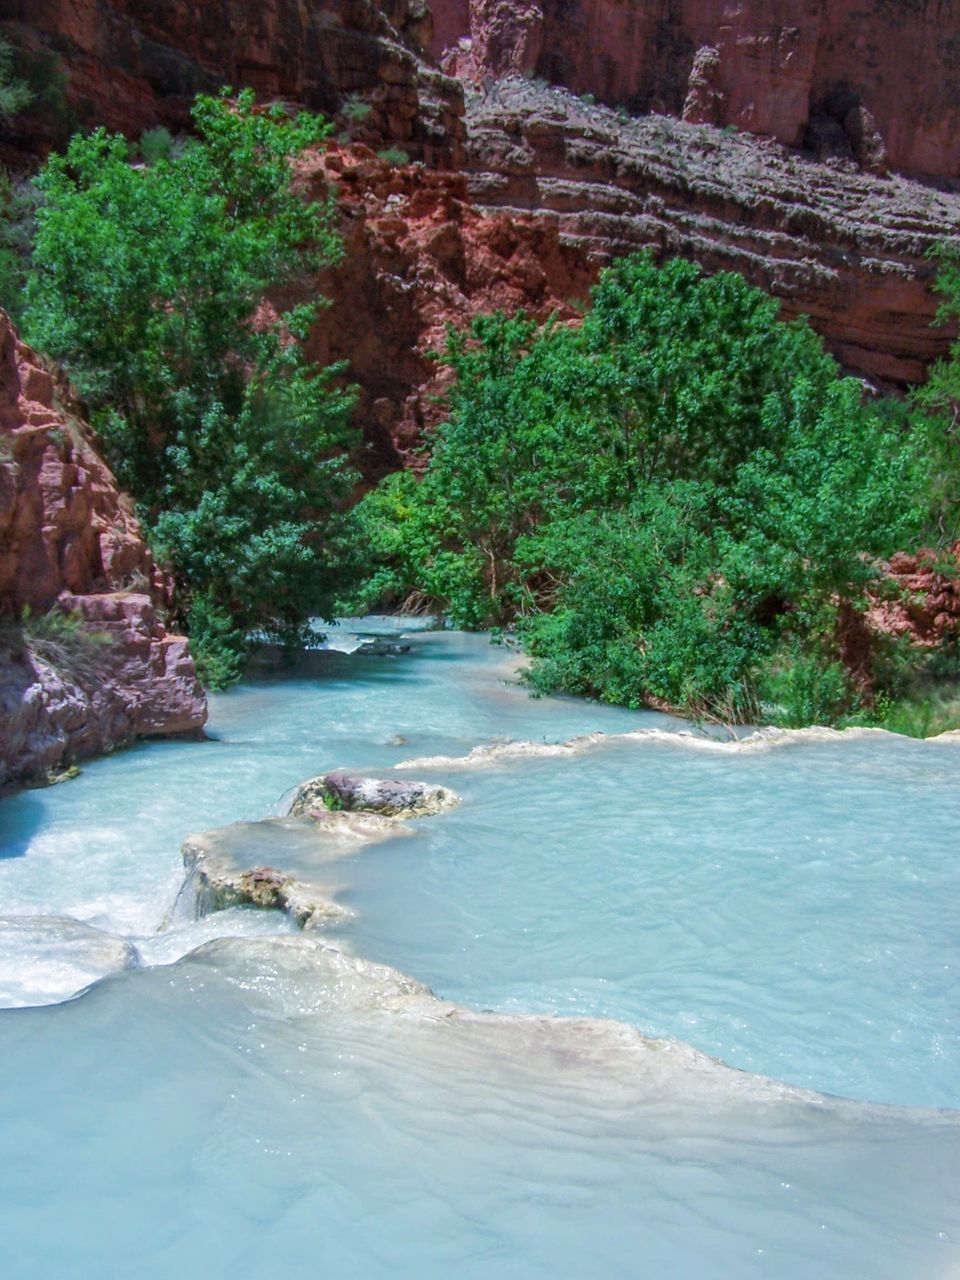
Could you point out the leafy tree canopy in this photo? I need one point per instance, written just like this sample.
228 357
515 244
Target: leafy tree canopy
681 499
146 283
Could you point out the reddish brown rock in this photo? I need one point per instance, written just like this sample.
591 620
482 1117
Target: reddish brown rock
793 70
843 246
833 240
131 65
925 604
419 255
69 539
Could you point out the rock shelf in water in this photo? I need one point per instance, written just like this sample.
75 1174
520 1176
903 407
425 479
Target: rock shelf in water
49 959
765 739
273 863
387 797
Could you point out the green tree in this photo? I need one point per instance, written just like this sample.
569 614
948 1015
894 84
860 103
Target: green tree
148 285
681 499
939 399
15 93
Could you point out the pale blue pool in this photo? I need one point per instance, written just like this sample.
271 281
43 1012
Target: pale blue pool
241 1110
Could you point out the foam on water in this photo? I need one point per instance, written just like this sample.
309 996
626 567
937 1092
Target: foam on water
48 959
252 1101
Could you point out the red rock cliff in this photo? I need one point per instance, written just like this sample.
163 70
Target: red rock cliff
844 247
837 240
69 538
131 65
420 255
862 77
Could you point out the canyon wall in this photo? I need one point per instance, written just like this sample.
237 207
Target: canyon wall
829 229
420 255
552 189
69 539
132 65
845 247
878 79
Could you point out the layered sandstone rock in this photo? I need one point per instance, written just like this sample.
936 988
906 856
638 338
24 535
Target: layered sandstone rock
418 256
845 247
563 185
69 539
870 79
131 66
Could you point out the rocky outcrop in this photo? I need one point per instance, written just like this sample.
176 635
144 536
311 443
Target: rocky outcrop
865 80
221 878
418 256
100 669
387 797
131 66
283 863
845 247
555 186
924 602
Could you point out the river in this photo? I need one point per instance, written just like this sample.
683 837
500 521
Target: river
691 1009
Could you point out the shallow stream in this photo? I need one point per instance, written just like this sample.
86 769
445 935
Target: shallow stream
616 921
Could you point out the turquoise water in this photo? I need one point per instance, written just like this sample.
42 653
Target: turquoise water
242 1106
793 912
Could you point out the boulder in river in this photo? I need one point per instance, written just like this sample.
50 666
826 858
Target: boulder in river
353 793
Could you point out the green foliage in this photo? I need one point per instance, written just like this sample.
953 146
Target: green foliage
680 500
15 93
939 399
802 688
923 716
156 145
61 638
147 285
18 203
355 111
394 156
33 93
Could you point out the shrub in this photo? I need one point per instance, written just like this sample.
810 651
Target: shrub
680 499
394 156
18 203
58 637
146 284
156 145
15 94
355 111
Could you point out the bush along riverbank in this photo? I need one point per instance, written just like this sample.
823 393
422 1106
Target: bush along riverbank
680 502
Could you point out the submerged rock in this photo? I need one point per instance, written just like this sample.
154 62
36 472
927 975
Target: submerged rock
49 959
226 868
388 797
380 647
274 863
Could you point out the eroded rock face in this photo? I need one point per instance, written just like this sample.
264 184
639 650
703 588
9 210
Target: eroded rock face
418 255
877 79
555 188
843 246
928 605
132 65
69 538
